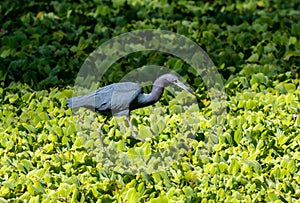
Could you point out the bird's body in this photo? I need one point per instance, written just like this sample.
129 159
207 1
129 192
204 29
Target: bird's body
115 99
119 99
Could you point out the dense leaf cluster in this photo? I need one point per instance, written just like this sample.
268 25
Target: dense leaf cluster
45 43
47 154
50 154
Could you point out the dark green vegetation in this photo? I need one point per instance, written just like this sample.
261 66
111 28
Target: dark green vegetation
44 43
255 46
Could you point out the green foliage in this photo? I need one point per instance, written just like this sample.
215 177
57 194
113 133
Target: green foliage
46 153
44 44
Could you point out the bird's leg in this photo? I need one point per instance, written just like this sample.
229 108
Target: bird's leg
129 122
100 134
133 134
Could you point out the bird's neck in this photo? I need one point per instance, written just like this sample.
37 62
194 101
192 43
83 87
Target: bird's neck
156 92
151 98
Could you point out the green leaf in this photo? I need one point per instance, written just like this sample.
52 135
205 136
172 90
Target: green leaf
297 122
141 188
272 196
38 187
253 58
293 40
9 144
5 53
79 142
290 87
234 166
29 127
27 164
2 200
160 199
132 196
178 65
35 199
145 132
292 168
188 191
296 29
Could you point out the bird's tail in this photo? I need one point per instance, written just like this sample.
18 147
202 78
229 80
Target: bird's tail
80 101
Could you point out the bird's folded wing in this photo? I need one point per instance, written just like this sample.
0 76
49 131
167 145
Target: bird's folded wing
123 95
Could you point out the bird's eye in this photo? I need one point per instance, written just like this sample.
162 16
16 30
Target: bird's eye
175 81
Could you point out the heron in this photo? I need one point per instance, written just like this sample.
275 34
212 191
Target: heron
118 99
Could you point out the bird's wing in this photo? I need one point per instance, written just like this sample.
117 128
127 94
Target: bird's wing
113 99
98 100
123 95
102 98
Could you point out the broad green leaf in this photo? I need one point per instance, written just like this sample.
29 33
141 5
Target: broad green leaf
2 200
38 187
188 191
238 136
145 132
27 164
234 166
29 127
5 53
132 196
253 58
35 199
160 199
297 122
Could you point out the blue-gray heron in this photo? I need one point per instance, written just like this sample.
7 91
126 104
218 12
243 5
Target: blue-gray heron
119 99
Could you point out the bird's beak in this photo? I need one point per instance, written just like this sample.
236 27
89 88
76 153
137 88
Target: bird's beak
182 86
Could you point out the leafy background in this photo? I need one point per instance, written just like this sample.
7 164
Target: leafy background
255 46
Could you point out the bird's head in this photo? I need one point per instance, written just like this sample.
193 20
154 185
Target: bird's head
173 79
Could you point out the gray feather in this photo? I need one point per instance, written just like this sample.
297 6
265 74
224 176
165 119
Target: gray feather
114 98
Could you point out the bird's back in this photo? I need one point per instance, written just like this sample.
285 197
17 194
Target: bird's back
112 99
